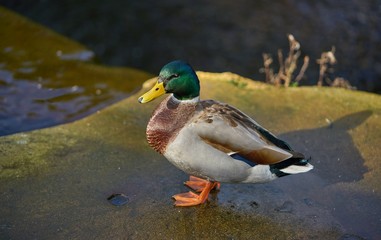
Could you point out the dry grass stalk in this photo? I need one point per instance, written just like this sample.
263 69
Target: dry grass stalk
306 61
340 82
269 73
287 67
326 60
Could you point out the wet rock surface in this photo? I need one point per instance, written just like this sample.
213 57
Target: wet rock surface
55 182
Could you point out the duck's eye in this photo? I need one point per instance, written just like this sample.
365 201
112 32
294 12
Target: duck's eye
173 76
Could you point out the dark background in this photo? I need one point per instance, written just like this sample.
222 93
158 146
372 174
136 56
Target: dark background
220 35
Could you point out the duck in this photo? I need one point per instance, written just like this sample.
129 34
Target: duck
211 141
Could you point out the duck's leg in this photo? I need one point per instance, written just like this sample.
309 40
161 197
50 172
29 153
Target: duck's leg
198 184
192 199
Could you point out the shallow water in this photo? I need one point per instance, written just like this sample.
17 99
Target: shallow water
48 80
35 96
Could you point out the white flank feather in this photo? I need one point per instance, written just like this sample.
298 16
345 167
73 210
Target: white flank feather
294 169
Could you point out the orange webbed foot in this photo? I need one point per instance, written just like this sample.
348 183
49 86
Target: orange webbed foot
193 199
187 199
198 184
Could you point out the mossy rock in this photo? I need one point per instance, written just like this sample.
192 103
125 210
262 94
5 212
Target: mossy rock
55 181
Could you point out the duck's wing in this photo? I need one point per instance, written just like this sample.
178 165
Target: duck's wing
228 129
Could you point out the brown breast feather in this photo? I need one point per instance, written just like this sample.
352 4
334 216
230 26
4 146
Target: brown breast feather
166 122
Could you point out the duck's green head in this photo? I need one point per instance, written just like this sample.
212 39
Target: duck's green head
176 77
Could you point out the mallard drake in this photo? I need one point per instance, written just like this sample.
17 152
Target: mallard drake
211 141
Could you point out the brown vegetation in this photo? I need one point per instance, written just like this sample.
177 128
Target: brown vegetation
285 75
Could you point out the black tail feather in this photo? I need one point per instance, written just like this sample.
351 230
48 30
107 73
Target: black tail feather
277 167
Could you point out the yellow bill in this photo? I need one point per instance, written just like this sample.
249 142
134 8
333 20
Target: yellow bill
155 92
